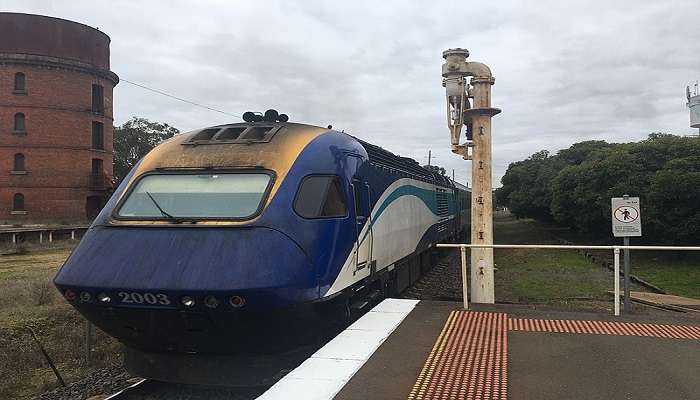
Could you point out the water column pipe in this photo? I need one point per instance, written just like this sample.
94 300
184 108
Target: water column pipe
476 115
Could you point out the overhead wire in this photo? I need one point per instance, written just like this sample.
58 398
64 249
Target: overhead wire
194 103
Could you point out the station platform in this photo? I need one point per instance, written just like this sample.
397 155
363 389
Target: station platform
416 350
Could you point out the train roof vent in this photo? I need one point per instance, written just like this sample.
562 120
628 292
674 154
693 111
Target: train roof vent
232 133
258 132
243 133
205 134
386 159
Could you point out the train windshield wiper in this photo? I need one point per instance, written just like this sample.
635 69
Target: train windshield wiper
165 213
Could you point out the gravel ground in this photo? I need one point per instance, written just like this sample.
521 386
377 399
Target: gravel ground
98 385
443 282
152 390
107 381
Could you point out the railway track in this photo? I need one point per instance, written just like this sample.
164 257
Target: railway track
146 389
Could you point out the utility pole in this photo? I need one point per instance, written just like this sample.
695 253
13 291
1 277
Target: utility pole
476 116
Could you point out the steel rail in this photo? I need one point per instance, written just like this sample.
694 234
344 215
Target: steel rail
117 395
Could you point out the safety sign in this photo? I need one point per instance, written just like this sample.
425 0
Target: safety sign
626 217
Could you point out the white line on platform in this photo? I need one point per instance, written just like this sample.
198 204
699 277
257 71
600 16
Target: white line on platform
323 374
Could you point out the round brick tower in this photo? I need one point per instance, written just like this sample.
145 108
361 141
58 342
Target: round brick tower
55 120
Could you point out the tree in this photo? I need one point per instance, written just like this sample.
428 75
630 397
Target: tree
527 186
579 152
134 139
574 187
662 170
673 208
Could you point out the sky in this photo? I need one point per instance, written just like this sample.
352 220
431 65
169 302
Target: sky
566 71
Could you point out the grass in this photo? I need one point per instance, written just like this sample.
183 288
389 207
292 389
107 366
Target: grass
29 299
30 261
554 277
676 273
529 276
572 275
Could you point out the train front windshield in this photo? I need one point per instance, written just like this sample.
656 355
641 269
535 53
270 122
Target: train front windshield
196 196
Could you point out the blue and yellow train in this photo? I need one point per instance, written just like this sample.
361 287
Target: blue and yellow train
239 232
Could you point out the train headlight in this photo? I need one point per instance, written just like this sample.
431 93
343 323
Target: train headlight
187 301
85 297
103 298
70 295
236 301
211 302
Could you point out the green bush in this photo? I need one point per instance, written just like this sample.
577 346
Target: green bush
573 188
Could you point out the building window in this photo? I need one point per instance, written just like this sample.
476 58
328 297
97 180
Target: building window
97 176
18 202
320 197
97 166
98 141
98 103
20 84
20 126
19 162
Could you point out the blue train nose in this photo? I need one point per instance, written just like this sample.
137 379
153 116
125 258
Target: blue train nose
263 265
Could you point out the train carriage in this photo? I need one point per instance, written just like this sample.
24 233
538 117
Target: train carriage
247 232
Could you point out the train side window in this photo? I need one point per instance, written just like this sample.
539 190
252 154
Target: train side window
320 196
357 197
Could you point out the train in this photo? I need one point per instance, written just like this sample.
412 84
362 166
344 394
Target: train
234 235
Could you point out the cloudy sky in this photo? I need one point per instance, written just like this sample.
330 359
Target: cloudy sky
565 71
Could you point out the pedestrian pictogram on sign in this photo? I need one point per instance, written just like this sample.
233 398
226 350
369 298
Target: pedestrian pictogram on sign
626 214
626 219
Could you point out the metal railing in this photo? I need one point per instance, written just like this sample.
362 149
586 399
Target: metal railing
16 233
616 254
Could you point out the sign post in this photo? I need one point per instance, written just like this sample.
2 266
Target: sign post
626 222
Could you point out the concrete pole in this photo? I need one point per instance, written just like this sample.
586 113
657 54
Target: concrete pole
478 117
482 198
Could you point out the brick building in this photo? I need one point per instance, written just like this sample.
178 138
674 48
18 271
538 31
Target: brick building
55 120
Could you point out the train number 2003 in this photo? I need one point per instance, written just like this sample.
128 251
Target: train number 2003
144 298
